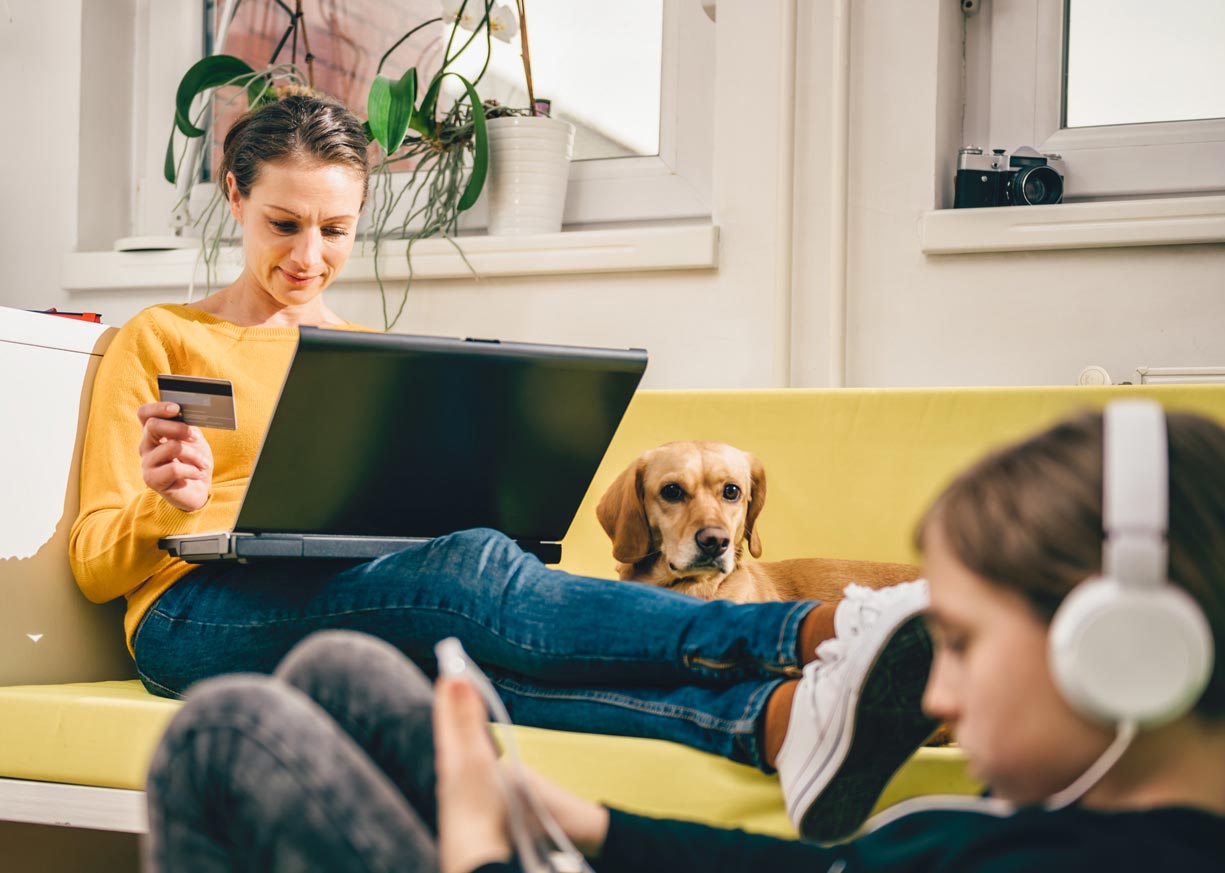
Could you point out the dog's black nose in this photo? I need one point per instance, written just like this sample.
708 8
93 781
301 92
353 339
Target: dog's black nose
712 541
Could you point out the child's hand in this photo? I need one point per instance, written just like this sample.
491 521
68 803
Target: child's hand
472 823
584 822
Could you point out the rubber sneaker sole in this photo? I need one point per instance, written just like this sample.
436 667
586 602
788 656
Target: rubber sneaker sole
883 726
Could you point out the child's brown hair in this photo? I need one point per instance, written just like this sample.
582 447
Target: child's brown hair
1029 517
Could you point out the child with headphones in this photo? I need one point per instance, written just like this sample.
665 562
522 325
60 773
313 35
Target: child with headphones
1076 583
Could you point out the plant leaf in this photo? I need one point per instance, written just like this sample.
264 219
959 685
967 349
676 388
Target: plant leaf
403 106
378 109
390 107
480 148
206 73
169 169
429 105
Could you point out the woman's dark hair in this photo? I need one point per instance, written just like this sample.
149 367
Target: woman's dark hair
1029 518
296 127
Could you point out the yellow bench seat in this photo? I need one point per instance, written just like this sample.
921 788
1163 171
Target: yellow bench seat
103 734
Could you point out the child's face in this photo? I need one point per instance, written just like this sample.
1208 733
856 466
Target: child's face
991 682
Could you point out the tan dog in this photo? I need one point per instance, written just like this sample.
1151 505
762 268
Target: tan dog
680 514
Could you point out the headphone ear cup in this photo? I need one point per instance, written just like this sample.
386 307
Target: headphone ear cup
1119 654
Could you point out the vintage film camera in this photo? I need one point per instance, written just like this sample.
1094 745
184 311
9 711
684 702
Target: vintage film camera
1024 178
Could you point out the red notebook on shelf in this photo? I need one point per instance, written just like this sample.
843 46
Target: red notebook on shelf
95 317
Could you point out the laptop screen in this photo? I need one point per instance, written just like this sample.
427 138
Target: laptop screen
399 435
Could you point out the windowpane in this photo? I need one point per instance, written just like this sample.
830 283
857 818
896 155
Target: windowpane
598 63
1136 61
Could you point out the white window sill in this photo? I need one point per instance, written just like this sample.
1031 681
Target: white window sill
1159 222
616 250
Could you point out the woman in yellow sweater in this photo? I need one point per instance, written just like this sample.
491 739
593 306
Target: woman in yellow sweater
722 677
298 224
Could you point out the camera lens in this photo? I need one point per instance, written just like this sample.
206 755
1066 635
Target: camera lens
1034 186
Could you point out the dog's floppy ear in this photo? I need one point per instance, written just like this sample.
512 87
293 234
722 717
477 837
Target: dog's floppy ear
757 500
624 517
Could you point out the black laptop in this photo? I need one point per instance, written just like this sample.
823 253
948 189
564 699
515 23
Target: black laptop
381 440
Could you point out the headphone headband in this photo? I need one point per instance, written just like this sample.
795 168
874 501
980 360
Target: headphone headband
1135 512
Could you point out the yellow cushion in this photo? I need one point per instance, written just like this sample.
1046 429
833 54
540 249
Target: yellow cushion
88 733
663 779
104 733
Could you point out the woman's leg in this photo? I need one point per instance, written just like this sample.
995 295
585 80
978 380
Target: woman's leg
722 720
252 775
514 615
511 612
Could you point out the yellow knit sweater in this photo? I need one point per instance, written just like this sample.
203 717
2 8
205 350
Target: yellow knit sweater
113 546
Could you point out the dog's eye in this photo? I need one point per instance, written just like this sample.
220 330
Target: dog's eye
672 492
731 492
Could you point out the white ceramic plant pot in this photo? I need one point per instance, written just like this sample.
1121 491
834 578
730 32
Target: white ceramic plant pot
529 165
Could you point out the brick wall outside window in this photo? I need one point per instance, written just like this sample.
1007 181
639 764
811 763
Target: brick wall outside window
347 39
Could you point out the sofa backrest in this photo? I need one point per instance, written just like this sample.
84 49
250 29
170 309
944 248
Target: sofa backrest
849 471
49 632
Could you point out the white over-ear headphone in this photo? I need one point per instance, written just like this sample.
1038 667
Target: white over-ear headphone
1128 647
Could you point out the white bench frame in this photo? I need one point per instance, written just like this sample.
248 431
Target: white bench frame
73 806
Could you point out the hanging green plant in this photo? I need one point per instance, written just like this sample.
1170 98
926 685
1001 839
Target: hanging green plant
447 155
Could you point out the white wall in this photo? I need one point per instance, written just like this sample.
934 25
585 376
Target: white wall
1024 318
770 315
40 104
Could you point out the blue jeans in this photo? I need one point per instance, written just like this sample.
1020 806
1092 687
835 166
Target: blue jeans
566 652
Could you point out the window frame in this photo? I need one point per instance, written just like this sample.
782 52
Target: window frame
1014 68
675 184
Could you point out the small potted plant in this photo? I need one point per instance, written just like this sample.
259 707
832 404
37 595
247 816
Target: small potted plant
529 155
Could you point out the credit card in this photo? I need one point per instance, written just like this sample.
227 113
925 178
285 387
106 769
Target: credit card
202 402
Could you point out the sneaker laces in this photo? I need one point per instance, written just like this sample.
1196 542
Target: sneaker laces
859 609
852 616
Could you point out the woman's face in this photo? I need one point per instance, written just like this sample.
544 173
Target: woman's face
991 682
298 227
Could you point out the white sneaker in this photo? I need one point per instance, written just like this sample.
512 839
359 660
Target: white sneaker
856 715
